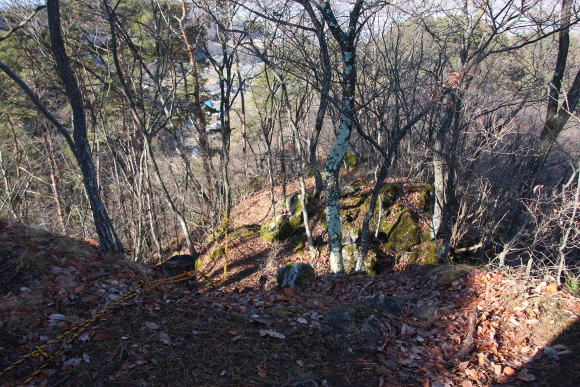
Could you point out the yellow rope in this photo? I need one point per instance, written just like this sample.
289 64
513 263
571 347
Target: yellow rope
73 333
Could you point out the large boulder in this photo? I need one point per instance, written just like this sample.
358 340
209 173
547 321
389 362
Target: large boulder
351 249
281 228
350 255
295 275
384 304
389 194
178 264
402 234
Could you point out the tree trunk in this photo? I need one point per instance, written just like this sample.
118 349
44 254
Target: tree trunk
364 239
180 217
347 42
109 240
54 181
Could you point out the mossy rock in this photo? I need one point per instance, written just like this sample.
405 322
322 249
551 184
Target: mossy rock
572 285
402 234
350 234
447 274
300 245
281 228
352 160
424 254
353 201
350 256
425 197
296 220
269 230
294 275
245 232
389 194
293 202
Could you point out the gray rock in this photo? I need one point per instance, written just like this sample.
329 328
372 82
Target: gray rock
179 263
371 332
292 202
384 304
295 275
340 321
426 313
347 190
251 313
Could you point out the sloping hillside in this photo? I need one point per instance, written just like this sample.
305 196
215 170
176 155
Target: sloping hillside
411 324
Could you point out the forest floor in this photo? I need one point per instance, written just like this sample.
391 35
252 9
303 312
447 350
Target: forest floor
457 325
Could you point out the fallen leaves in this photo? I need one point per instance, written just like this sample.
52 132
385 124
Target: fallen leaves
101 336
75 289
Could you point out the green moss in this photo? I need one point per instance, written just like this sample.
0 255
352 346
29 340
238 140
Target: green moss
300 245
389 194
217 253
200 264
295 274
269 230
352 160
245 232
296 220
425 198
426 235
281 229
426 254
350 256
350 233
402 234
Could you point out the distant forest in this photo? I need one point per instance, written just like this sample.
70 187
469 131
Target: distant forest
143 123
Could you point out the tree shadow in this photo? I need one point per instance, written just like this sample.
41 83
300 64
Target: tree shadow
555 365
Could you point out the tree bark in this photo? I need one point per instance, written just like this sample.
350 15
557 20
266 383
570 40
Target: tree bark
557 113
78 143
347 42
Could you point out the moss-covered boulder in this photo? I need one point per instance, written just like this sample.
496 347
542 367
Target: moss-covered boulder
295 275
245 232
281 228
300 245
293 203
350 234
389 194
402 234
350 256
425 198
423 254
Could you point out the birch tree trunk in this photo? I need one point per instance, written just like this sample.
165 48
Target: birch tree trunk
347 115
